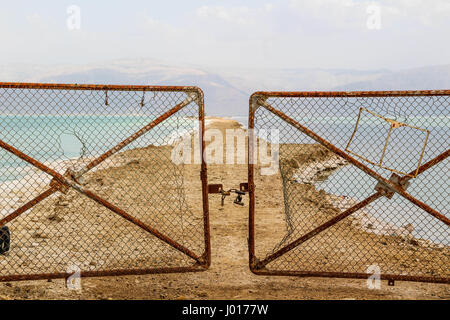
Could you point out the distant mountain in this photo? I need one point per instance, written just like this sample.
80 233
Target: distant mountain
432 78
227 89
221 97
306 79
218 92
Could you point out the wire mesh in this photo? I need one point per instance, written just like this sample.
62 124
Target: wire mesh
94 138
338 212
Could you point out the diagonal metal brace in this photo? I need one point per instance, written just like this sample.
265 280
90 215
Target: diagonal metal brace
388 192
396 188
381 192
56 186
72 184
192 96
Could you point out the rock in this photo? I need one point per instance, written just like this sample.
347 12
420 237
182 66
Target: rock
62 204
54 217
294 164
313 172
409 228
133 162
38 235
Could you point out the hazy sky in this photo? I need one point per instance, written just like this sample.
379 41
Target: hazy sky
353 34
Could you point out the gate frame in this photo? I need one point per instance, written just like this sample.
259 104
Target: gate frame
64 182
385 187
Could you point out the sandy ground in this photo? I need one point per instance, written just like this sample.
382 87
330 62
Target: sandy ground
229 276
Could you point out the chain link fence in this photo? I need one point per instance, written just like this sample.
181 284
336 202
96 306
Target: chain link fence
87 179
362 185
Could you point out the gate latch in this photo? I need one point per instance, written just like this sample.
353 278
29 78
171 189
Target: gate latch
218 189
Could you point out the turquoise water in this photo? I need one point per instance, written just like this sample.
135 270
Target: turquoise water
403 153
399 211
51 138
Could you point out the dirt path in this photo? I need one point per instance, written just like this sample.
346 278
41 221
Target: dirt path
229 276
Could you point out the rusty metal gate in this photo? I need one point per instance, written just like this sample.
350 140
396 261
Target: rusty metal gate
361 187
90 181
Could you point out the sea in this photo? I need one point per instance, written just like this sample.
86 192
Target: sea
51 138
420 140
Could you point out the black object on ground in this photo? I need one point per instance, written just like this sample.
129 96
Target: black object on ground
5 238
